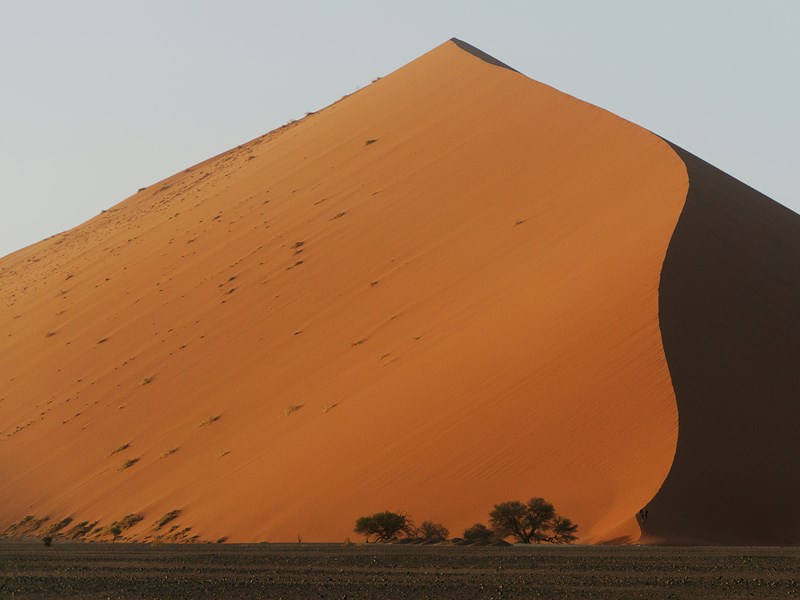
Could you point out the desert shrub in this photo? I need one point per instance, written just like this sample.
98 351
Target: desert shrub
56 527
170 516
126 522
478 533
47 540
128 464
429 530
533 522
385 526
115 530
80 530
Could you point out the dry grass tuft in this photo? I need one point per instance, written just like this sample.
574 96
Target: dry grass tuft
129 520
118 449
128 464
209 420
292 408
168 452
170 516
56 527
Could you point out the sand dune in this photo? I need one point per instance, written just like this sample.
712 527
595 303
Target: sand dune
438 293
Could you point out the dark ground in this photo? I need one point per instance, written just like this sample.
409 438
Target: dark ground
72 570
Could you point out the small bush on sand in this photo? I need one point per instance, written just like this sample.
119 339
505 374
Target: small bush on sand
47 540
292 408
429 530
170 516
167 452
128 464
127 521
56 527
121 448
479 533
209 420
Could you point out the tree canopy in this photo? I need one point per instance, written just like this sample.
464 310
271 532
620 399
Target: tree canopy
384 526
535 521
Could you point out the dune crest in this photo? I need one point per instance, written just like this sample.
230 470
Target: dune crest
439 293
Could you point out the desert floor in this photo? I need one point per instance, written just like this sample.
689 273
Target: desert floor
29 570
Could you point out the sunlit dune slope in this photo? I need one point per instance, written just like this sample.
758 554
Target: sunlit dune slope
437 294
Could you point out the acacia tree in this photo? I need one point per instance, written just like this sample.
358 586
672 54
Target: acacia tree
115 530
564 531
385 526
533 522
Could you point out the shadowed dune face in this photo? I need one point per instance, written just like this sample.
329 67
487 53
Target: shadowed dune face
730 318
437 294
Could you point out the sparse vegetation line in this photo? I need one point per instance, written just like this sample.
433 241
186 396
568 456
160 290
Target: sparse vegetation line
535 521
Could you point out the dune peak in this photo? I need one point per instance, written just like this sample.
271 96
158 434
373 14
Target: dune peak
477 52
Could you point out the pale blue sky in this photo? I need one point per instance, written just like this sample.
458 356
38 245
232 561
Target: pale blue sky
102 97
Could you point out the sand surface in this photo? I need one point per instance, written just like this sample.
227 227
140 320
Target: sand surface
439 293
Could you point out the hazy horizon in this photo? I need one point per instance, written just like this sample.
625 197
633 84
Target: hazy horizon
103 99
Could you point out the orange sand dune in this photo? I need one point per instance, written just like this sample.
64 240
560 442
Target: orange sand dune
438 293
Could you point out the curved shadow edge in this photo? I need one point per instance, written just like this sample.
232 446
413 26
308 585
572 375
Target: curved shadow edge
729 311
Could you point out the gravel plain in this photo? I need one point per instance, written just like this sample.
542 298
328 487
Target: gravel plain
75 570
